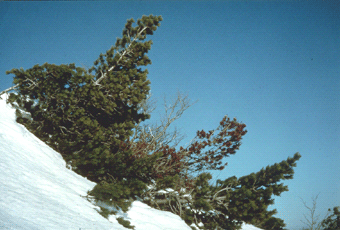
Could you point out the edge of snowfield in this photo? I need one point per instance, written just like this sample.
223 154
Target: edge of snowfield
38 192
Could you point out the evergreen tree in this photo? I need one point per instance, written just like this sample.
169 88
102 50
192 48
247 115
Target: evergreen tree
332 222
88 115
233 200
93 118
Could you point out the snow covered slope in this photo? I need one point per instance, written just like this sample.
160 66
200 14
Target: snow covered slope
37 191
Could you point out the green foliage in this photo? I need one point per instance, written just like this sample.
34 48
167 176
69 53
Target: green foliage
202 189
105 212
332 222
90 116
86 115
118 193
125 223
235 200
273 223
167 182
252 194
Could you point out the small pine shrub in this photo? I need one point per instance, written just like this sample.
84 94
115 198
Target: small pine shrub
125 223
118 194
105 212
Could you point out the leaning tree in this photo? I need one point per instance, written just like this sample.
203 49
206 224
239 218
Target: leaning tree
96 119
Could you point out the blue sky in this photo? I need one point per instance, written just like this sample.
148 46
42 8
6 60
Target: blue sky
274 65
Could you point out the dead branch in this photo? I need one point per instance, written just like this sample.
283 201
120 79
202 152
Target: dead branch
312 221
158 135
9 89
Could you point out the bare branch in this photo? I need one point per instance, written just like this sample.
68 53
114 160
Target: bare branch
224 189
17 85
158 135
312 220
9 89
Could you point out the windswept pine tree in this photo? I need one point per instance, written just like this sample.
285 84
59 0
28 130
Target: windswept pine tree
95 119
86 115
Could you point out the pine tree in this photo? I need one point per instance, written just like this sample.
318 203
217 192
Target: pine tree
234 200
94 119
332 222
88 115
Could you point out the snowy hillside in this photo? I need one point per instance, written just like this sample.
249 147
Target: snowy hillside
37 191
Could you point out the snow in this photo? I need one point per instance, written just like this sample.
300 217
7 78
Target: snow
141 212
38 191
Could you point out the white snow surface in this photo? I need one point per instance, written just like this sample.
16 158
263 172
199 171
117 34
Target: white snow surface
37 191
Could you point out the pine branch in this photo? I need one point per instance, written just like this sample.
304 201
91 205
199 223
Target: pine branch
9 89
126 51
17 85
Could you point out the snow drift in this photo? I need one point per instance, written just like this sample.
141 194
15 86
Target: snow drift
39 192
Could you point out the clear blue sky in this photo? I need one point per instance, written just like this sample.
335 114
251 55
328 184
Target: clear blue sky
274 65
